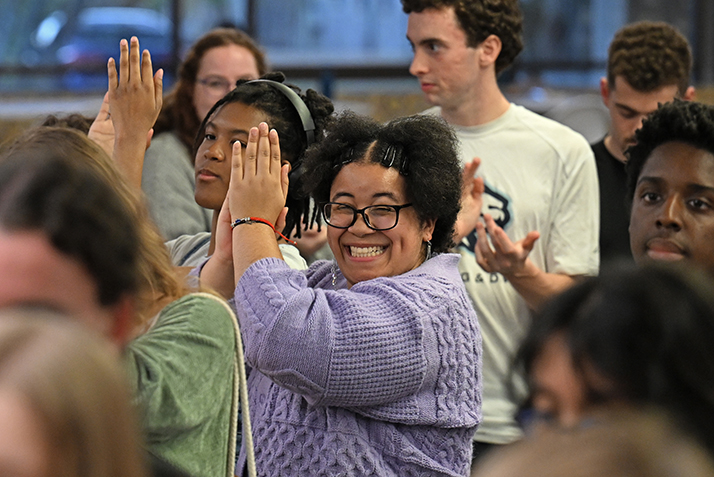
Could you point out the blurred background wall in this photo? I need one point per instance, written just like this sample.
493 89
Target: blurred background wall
53 52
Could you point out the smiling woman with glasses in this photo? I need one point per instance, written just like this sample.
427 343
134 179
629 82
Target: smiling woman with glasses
376 357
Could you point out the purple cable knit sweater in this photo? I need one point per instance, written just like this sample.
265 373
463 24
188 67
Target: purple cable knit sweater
382 379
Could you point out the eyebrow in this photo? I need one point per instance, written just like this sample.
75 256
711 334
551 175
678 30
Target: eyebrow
232 131
631 110
694 187
627 108
378 195
425 40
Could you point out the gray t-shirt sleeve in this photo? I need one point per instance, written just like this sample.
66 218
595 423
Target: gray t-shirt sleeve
168 183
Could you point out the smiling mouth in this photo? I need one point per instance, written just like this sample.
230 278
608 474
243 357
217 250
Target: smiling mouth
362 252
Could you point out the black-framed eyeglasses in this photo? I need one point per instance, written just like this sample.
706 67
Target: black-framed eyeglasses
376 217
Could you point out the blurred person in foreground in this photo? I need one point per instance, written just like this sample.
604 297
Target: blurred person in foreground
76 237
633 337
641 443
65 404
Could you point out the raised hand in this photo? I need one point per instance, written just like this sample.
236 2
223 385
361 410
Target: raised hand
259 181
102 129
135 99
502 255
471 201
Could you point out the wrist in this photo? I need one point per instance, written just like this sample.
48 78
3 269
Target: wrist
527 272
258 220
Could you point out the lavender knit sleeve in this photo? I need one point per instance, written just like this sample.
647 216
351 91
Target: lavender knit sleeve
366 346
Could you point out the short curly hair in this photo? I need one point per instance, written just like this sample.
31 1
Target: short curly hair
683 121
650 55
424 150
481 18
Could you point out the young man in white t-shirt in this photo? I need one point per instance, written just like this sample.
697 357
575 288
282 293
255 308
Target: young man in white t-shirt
540 195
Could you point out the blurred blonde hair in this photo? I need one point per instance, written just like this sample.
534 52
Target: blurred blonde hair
157 277
74 385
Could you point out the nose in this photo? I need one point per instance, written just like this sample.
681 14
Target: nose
418 66
214 152
670 215
359 228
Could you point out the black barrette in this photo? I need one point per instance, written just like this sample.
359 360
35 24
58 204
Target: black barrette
394 157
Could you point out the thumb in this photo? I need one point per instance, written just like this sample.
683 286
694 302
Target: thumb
530 240
284 179
280 222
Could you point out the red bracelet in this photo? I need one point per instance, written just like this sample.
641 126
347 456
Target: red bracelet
258 220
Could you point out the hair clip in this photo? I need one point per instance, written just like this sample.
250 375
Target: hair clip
394 157
345 158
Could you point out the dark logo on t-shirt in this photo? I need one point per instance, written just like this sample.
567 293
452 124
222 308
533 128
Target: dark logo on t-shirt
499 206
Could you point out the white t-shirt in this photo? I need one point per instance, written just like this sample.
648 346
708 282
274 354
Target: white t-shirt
539 175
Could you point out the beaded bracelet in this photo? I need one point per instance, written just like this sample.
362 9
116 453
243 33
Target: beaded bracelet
258 220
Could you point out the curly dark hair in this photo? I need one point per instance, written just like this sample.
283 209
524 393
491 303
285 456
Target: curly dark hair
423 149
650 55
284 118
77 209
646 330
178 113
481 18
684 121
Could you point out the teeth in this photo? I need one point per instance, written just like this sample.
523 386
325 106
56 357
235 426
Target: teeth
366 251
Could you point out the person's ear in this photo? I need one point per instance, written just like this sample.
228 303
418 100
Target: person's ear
490 49
605 91
690 94
428 229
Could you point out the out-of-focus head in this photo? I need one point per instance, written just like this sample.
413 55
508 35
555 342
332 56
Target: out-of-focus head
210 70
232 118
76 121
64 214
649 63
625 444
633 336
671 186
155 277
367 164
65 406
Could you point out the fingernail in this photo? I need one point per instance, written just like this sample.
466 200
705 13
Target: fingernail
253 132
160 73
